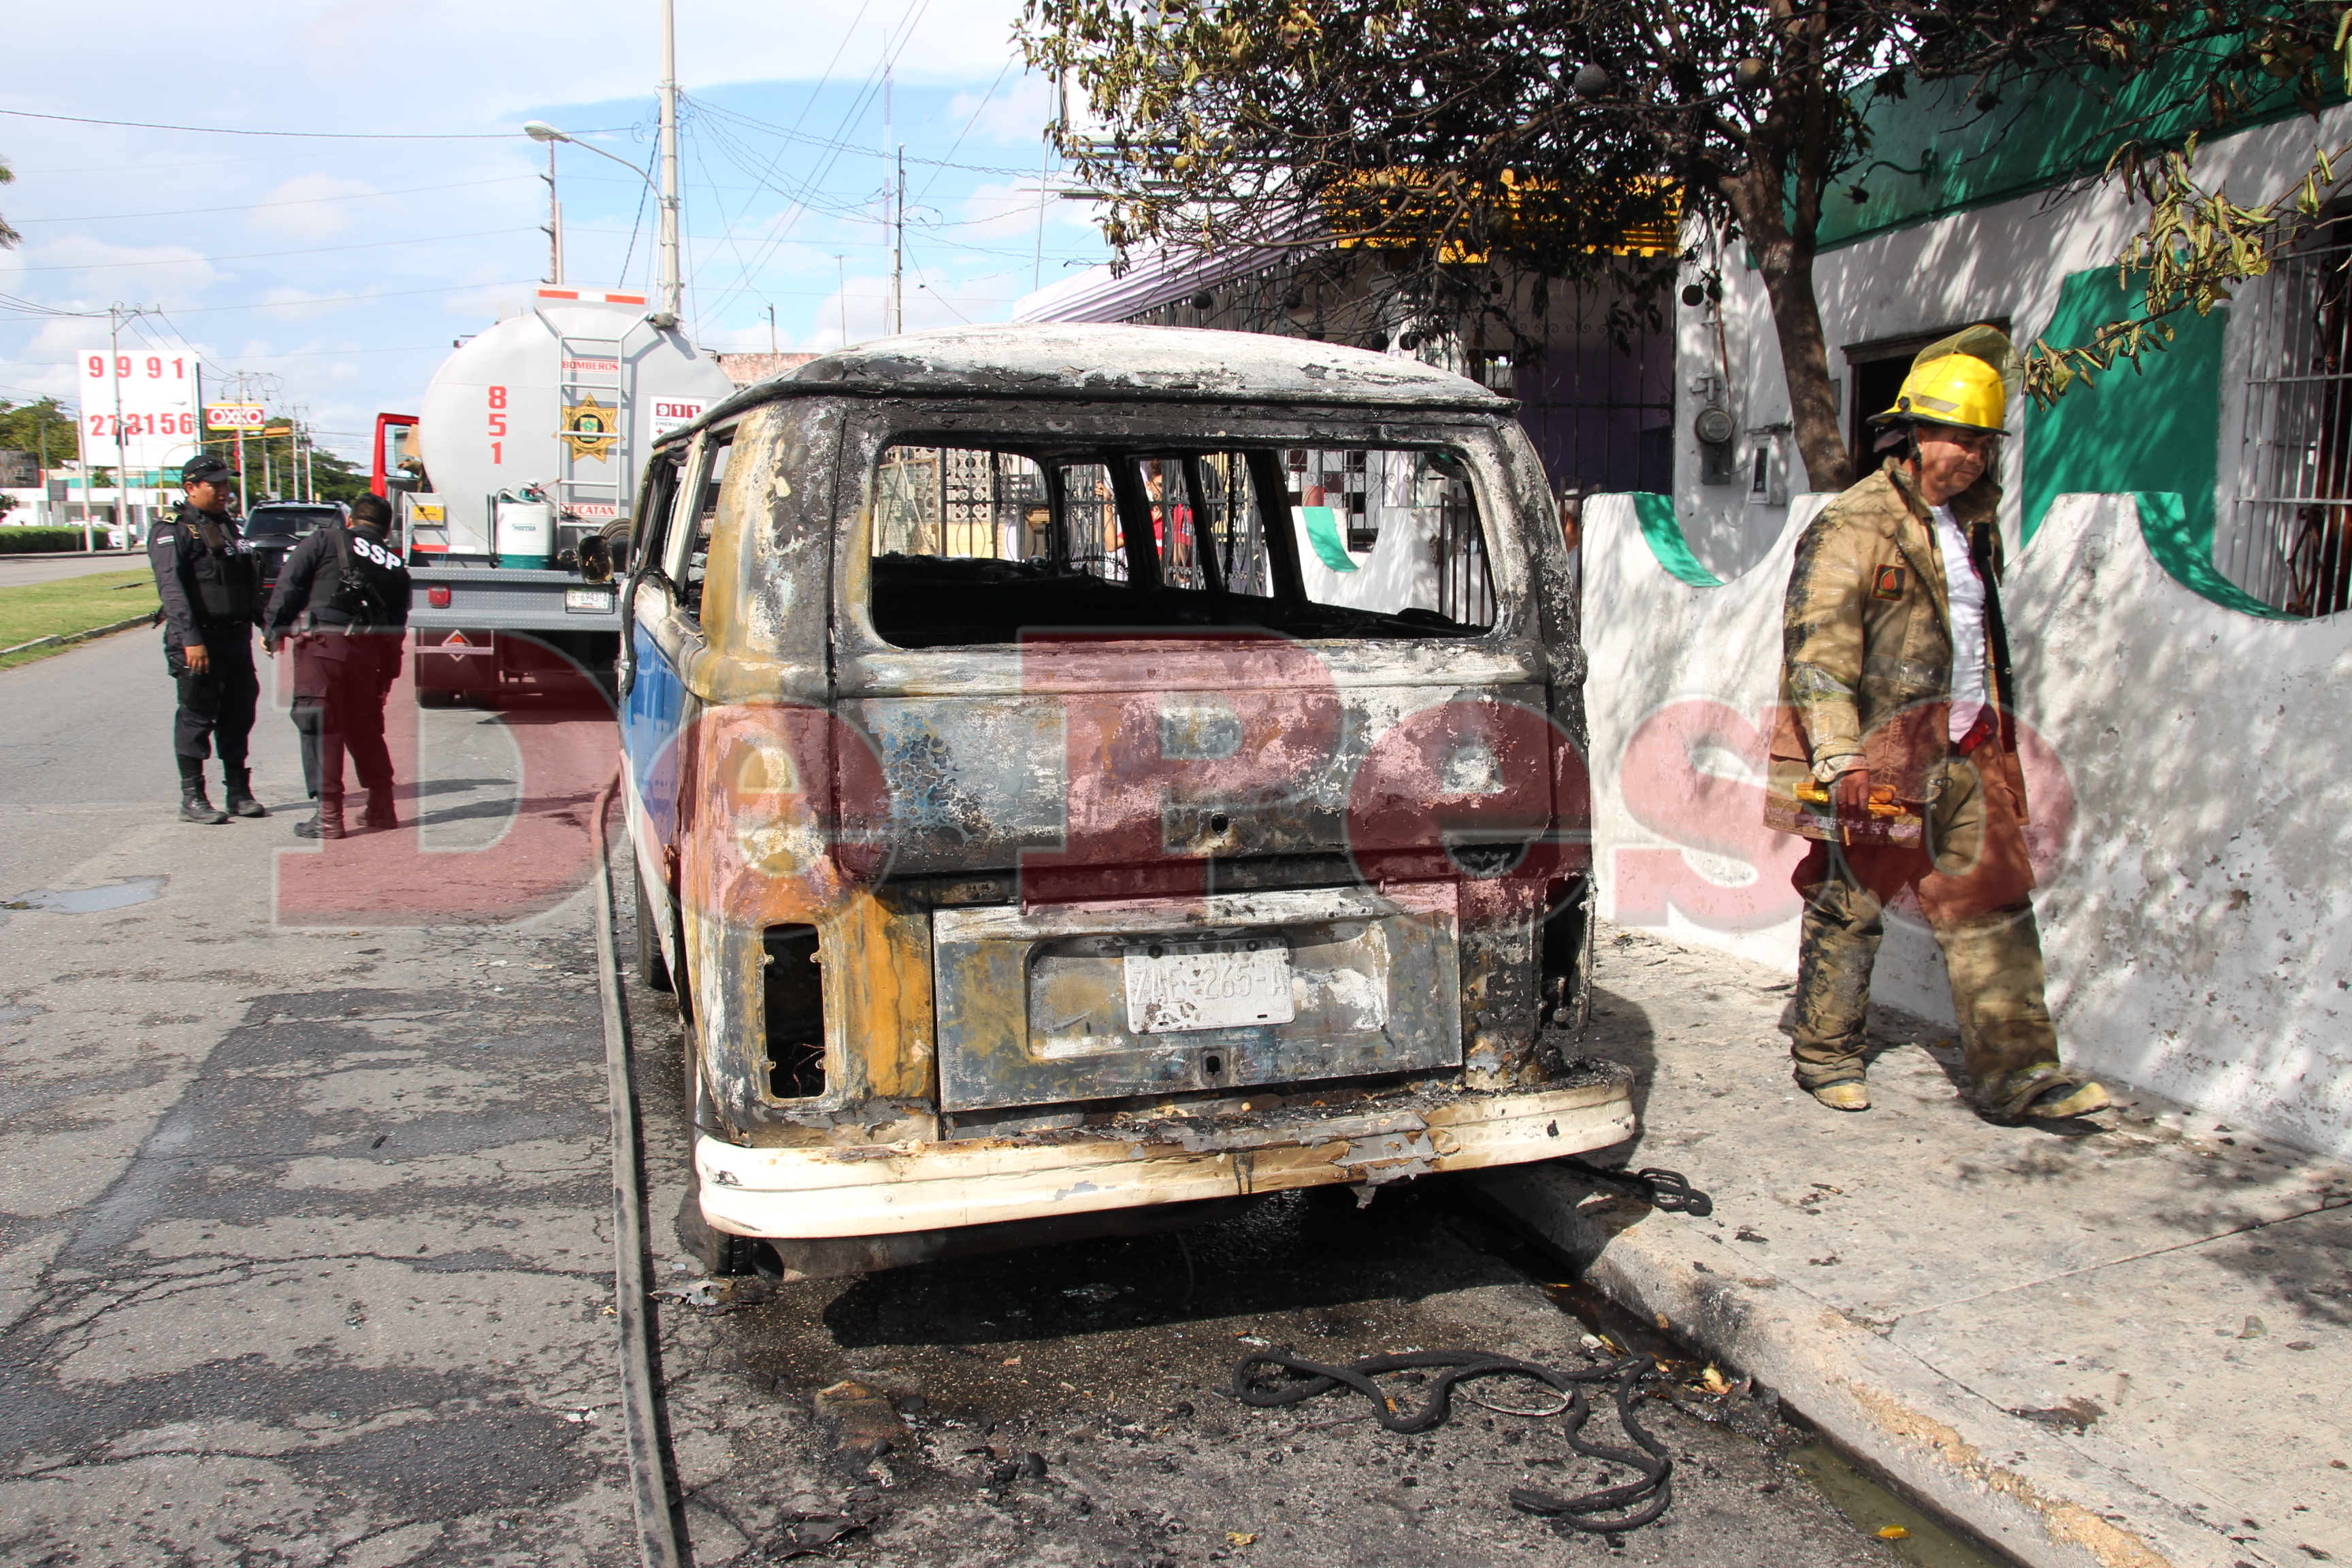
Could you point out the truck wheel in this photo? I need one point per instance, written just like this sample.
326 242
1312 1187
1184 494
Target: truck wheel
435 697
653 967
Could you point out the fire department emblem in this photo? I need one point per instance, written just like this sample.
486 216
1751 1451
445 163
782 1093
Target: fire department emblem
590 429
1889 584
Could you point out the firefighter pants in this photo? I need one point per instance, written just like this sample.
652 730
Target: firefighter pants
340 680
1972 878
216 713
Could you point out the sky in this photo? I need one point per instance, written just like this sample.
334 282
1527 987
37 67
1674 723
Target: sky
335 269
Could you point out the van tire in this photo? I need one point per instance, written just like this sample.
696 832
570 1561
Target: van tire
721 1256
653 964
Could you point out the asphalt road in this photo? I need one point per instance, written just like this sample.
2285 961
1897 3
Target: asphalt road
305 1260
16 570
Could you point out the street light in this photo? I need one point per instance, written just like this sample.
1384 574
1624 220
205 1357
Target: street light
671 290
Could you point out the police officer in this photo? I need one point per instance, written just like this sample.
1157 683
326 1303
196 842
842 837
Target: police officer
344 598
210 586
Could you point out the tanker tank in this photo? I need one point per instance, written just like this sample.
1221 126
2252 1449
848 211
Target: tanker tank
563 400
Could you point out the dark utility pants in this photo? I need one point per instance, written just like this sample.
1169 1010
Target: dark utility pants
216 708
1972 878
340 683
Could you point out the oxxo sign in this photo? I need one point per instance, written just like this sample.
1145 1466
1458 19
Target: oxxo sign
235 417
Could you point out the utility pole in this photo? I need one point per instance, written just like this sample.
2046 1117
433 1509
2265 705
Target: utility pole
1038 266
672 288
899 250
114 314
772 350
240 441
554 223
891 192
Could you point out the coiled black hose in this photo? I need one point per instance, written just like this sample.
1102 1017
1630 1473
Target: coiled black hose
1652 1490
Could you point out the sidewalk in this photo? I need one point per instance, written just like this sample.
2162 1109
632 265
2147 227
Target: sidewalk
2118 1342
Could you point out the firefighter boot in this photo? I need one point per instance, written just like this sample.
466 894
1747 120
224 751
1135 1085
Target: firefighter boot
2010 1045
328 823
1840 944
195 804
237 797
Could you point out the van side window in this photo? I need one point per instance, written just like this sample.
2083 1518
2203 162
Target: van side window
652 528
689 553
977 546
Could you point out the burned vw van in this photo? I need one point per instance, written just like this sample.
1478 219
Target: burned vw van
1082 777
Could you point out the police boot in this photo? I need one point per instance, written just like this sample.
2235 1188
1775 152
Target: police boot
328 823
379 812
239 799
195 804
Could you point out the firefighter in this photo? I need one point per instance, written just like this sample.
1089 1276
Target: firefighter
1896 749
210 586
343 597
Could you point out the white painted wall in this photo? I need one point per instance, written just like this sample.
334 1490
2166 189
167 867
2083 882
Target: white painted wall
2006 260
2194 805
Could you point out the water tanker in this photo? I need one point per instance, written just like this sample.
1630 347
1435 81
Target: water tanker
526 444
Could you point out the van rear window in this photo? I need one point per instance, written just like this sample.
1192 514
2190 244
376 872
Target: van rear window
979 544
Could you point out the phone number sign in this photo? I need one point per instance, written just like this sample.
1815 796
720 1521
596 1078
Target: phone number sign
149 393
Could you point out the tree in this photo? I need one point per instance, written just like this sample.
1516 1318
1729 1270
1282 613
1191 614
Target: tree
335 479
2197 245
1476 144
41 426
8 236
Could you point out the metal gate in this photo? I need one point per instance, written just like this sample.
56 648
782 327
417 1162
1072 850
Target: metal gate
2289 543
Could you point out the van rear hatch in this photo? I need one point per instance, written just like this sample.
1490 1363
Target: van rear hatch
1224 752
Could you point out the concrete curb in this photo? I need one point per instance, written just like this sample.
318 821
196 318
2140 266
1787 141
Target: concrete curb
72 637
2007 1480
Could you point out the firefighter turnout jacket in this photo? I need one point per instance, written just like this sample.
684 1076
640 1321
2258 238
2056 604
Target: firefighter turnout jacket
1867 655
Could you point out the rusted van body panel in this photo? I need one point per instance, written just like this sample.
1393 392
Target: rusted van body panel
1244 891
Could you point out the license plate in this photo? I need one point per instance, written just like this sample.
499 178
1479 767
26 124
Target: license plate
587 599
1228 985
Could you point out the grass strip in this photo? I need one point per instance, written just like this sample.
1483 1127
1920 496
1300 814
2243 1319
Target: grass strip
30 610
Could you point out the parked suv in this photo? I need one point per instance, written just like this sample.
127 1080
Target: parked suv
275 527
1083 778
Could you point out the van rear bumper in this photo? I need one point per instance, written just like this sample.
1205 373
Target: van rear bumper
890 1189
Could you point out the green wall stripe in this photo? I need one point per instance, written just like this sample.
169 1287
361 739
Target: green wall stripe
2184 549
2157 428
1934 153
1664 532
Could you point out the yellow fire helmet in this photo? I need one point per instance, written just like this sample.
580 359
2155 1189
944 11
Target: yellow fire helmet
1964 380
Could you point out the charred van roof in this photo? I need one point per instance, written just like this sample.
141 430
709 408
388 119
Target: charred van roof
1120 363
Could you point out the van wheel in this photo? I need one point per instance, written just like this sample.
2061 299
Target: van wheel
722 1256
653 967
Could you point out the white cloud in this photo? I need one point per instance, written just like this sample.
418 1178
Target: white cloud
1014 117
315 207
119 272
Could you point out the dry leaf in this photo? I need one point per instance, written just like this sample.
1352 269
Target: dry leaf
1241 1537
1714 1380
1013 1360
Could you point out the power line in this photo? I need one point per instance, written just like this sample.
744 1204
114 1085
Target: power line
319 135
265 255
297 202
